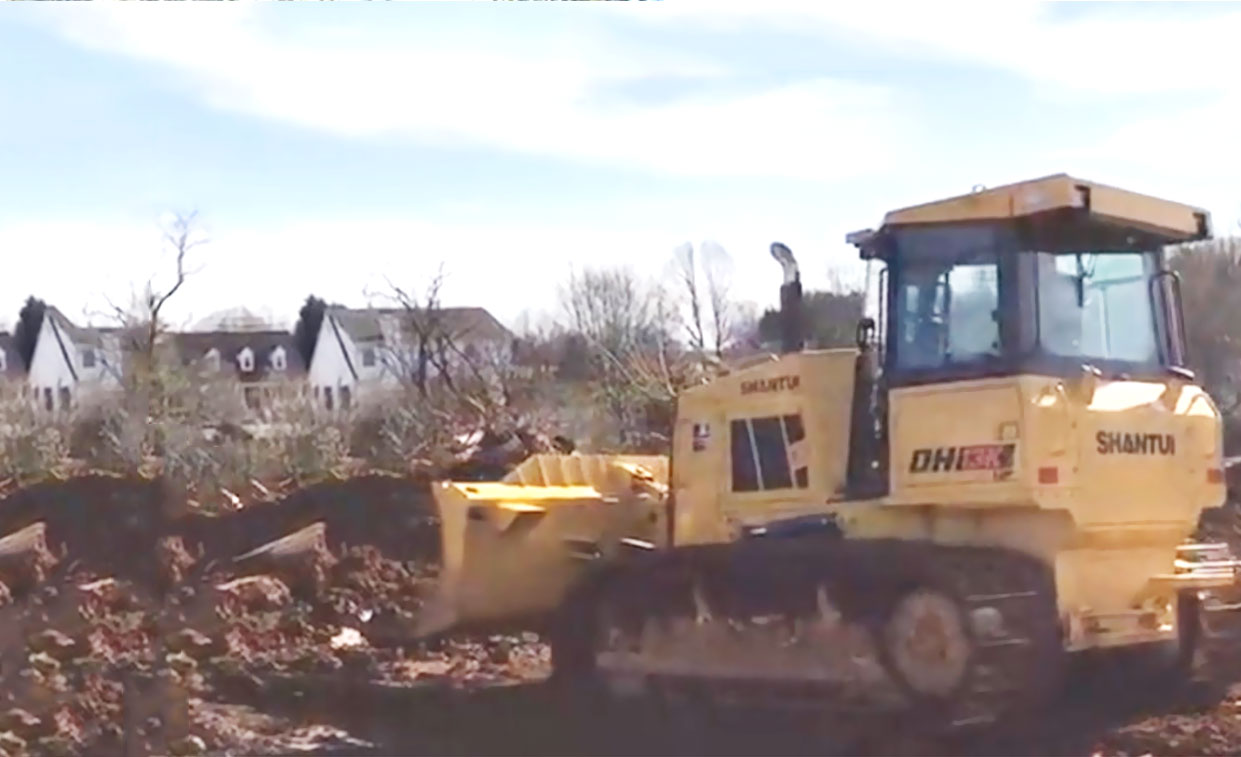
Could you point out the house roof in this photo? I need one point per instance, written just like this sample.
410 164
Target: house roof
194 345
79 335
364 325
69 335
13 366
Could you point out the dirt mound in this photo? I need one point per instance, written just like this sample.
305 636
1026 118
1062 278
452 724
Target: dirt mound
125 526
394 514
140 611
105 524
123 618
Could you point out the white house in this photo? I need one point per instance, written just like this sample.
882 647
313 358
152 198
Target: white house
259 361
359 352
71 363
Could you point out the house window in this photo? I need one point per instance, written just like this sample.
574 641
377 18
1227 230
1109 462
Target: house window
64 398
327 398
4 361
252 397
88 358
368 357
245 360
47 399
278 361
212 359
766 453
346 398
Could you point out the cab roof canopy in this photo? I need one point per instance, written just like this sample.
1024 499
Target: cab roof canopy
1061 197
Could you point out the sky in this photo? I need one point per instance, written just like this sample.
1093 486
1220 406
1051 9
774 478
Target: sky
338 148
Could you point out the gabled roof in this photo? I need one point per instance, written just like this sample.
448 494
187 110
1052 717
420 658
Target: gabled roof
193 346
68 336
13 365
82 336
365 325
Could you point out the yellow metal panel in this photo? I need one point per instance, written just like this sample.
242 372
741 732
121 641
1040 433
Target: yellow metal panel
512 550
1110 518
817 385
602 472
957 443
1060 191
1142 210
490 490
1142 463
992 204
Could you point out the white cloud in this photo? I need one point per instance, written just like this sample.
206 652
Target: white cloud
1192 155
539 94
1150 48
537 91
532 92
1071 54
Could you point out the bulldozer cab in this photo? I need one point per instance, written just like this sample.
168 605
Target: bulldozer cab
1052 277
1034 277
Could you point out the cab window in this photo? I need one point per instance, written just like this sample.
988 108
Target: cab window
767 453
948 314
1098 306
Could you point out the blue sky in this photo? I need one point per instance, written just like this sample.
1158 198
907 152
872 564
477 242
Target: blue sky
329 146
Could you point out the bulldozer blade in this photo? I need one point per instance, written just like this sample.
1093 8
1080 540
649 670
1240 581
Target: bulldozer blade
513 549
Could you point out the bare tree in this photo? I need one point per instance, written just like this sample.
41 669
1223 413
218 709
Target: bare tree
621 316
180 237
1210 274
718 267
708 312
154 393
636 366
141 321
422 347
686 265
454 385
745 327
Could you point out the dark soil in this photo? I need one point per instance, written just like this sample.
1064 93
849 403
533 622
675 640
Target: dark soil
140 634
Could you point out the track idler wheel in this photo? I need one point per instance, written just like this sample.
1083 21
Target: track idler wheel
927 645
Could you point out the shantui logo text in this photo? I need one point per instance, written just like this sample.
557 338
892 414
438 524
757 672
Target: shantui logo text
1118 443
777 384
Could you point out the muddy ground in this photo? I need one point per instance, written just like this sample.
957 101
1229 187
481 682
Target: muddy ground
127 627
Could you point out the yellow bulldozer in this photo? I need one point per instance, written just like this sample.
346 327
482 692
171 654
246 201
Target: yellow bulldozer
1007 470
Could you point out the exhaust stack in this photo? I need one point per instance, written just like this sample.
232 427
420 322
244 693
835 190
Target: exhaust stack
792 330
